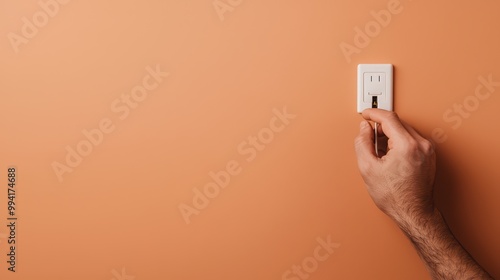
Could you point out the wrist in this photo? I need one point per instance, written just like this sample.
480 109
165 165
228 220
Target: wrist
415 218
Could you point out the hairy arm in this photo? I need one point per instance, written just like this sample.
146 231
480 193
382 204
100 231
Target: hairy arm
443 255
400 182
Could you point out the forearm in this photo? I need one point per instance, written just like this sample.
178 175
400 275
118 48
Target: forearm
442 253
400 182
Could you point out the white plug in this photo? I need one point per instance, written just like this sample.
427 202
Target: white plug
375 89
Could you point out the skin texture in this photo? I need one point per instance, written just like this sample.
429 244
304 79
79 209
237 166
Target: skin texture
400 181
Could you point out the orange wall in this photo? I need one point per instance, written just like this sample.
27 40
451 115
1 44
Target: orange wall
113 210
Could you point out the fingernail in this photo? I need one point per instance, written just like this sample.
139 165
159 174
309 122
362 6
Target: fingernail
363 124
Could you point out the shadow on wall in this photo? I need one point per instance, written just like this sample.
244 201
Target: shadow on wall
449 195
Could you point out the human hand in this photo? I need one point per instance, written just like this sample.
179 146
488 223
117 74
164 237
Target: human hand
400 180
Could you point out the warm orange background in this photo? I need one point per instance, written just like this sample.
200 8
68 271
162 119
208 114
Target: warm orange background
119 207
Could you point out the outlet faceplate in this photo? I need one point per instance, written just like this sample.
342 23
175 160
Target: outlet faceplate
375 86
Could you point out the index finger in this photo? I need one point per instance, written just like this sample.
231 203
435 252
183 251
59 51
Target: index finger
390 123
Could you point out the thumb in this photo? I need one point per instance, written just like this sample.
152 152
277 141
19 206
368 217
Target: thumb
363 144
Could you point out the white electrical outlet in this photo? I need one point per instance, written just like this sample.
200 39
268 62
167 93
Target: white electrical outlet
375 89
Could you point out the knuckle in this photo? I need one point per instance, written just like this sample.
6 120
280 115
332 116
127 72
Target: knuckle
411 145
393 115
358 141
427 147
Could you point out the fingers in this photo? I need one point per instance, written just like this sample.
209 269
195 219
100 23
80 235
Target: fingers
424 143
365 149
389 122
391 130
413 132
